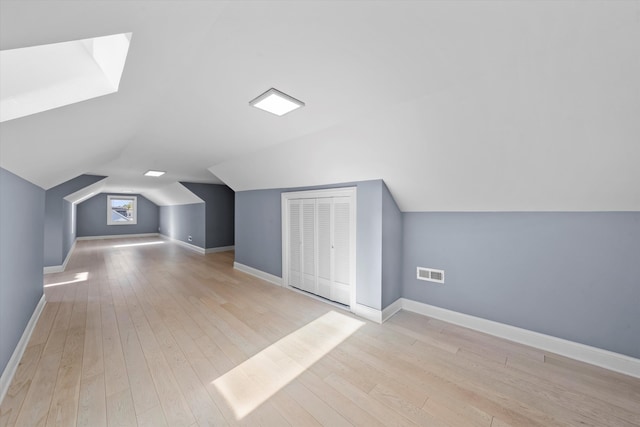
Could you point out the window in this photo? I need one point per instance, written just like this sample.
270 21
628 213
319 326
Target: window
122 210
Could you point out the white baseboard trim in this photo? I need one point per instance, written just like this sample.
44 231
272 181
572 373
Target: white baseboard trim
391 309
184 244
367 312
12 365
219 249
375 315
189 246
595 356
258 273
198 248
117 236
361 310
60 268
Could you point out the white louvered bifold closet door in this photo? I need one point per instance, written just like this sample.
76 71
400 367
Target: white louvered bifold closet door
340 290
319 239
325 256
295 243
309 275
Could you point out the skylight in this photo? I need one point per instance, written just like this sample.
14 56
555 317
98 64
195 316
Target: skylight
154 173
40 78
276 102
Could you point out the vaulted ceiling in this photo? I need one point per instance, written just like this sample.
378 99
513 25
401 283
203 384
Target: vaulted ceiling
457 105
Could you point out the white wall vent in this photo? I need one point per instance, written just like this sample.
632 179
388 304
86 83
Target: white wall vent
430 274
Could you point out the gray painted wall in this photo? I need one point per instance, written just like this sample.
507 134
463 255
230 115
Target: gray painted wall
391 249
571 275
219 210
259 234
369 244
57 222
91 217
21 258
259 230
68 229
181 221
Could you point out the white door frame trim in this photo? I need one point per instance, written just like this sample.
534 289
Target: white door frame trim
350 192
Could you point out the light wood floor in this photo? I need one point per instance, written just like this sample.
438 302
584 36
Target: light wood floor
156 335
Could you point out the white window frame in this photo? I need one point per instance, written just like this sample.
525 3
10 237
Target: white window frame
134 199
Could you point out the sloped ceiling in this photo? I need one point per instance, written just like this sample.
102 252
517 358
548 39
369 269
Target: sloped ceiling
464 106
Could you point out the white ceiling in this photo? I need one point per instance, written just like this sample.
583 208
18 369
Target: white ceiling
458 106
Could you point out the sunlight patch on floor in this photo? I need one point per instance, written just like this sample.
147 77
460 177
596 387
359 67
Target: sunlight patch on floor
80 277
251 383
129 245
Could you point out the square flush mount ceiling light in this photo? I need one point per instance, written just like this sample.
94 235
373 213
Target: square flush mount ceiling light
276 102
154 173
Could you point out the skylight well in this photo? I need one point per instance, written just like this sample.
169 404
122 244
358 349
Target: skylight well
40 78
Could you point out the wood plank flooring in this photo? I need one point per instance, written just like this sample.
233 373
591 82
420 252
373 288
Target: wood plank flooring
144 332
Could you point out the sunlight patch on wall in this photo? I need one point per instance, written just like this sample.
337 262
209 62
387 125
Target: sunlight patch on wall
251 383
40 78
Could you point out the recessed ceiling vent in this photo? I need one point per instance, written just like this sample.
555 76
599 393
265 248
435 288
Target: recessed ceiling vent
430 274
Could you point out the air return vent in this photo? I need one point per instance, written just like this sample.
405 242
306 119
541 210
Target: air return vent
430 275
